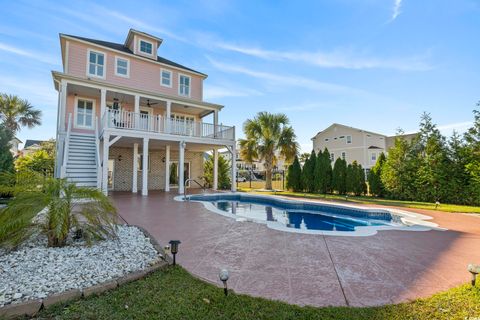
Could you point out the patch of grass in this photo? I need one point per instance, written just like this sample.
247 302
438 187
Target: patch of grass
372 200
172 293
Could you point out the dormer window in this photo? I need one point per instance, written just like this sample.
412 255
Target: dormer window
96 64
184 85
146 47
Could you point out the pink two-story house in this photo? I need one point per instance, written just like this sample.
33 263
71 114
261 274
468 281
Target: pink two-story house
129 119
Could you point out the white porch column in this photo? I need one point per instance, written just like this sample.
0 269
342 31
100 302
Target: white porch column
215 123
106 146
215 169
234 168
167 116
103 102
167 168
63 105
145 168
135 168
136 111
181 160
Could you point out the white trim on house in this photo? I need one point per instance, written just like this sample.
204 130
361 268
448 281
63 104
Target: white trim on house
104 64
116 67
180 75
75 112
151 54
162 70
67 52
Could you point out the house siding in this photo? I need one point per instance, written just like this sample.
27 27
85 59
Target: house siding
144 75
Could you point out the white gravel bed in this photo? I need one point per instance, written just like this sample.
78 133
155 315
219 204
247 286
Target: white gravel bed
35 271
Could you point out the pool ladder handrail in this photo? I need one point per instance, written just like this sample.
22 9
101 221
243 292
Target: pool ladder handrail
185 188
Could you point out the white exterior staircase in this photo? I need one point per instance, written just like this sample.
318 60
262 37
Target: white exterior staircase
81 165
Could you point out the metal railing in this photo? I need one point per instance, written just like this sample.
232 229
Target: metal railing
185 187
159 124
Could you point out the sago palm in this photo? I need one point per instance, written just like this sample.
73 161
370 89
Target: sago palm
266 137
68 208
16 113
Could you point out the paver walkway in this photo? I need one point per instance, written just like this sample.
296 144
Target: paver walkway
389 267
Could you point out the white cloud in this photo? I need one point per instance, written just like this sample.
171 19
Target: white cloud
340 58
397 6
29 54
216 92
458 126
285 80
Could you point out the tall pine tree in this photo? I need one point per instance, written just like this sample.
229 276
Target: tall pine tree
339 177
308 173
294 176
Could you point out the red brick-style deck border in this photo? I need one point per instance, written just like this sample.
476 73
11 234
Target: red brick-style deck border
389 267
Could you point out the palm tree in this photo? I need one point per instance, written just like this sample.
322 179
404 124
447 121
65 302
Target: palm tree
85 211
16 113
268 136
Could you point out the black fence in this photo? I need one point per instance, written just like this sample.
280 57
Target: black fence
255 179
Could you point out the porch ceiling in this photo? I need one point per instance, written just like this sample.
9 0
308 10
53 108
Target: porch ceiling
127 142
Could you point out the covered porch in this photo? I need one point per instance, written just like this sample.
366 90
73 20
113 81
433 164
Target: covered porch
170 165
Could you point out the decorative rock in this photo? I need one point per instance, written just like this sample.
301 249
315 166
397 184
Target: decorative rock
34 271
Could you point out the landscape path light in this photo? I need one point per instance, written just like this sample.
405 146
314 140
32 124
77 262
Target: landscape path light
223 275
174 248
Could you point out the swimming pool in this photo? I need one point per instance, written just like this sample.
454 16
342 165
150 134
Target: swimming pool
309 217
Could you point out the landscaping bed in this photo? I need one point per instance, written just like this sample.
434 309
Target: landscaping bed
35 271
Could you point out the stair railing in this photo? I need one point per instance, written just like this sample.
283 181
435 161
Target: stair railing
185 187
66 144
97 151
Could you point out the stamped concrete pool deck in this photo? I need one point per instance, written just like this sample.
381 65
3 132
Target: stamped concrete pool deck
389 267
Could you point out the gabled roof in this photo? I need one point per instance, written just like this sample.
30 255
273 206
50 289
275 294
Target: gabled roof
16 139
29 143
122 48
348 127
133 31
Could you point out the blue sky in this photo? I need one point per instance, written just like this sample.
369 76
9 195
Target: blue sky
374 64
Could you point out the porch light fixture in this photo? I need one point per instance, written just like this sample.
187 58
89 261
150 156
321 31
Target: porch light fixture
174 248
223 275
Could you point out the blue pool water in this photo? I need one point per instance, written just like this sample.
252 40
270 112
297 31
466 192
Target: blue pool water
298 215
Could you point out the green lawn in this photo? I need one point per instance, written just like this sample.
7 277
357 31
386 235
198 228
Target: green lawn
172 293
372 200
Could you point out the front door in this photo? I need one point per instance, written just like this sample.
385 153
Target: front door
110 179
174 173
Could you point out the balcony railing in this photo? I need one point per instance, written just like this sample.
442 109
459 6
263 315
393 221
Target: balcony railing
156 123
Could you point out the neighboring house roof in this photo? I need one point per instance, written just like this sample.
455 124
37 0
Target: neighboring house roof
123 48
16 139
348 127
30 143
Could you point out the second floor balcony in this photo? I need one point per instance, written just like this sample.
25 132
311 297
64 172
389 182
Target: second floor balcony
142 122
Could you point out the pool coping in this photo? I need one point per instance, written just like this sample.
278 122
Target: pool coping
412 221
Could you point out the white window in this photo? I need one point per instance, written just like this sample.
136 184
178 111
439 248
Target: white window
374 157
84 111
184 85
166 78
146 47
344 155
349 139
122 67
96 64
332 156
